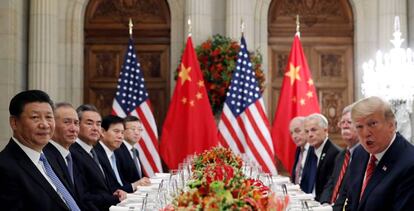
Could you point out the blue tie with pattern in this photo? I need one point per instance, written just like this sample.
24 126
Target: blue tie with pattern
59 186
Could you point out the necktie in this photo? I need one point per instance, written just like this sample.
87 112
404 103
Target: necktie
70 166
95 158
368 173
59 186
341 176
135 157
314 169
299 166
115 169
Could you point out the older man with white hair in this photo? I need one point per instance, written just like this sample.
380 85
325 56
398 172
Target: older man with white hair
322 155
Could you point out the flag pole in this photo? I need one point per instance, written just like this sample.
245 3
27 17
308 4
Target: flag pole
297 25
189 25
130 25
242 26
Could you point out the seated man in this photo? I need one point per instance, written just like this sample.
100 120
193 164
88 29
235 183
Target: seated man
127 154
297 131
383 176
97 194
112 137
335 191
27 181
322 154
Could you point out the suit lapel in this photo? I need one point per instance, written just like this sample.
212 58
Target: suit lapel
31 170
103 159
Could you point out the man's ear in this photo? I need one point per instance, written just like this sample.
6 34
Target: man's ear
13 122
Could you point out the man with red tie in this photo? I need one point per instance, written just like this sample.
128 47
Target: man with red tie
383 177
335 191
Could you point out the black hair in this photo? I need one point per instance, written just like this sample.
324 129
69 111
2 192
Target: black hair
19 101
109 120
85 107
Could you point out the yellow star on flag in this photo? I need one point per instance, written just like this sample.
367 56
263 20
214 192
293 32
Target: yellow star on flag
199 95
191 102
302 101
310 82
293 73
184 100
200 83
184 74
309 94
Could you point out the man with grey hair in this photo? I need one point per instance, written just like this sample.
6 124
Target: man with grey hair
335 191
297 132
322 155
383 177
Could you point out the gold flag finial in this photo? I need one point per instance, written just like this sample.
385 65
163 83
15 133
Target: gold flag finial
189 26
297 25
130 25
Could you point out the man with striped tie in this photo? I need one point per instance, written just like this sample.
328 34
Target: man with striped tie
297 132
27 181
335 191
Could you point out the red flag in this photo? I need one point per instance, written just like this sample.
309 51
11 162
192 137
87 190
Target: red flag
297 98
189 126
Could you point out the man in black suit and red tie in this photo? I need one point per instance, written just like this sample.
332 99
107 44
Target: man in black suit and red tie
128 155
322 154
297 132
335 191
383 176
27 181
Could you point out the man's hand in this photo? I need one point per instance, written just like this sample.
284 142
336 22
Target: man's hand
120 194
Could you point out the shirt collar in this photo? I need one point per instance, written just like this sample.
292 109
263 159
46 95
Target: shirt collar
128 145
84 145
352 149
64 152
318 151
378 156
108 152
31 153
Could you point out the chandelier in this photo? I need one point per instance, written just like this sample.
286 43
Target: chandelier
391 75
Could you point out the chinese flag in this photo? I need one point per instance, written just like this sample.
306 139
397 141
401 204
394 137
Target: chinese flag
189 126
297 98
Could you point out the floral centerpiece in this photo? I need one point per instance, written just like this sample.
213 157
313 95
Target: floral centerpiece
217 57
218 183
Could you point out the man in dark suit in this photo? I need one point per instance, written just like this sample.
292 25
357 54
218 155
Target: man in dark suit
27 181
57 150
297 131
316 127
335 192
383 177
112 137
127 154
96 192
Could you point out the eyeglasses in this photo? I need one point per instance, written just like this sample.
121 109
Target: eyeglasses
135 129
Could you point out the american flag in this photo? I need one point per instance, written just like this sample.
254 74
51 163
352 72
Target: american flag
132 99
244 126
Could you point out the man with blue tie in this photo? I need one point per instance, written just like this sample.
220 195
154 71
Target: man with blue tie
112 137
383 177
322 155
128 155
57 150
27 181
297 132
96 193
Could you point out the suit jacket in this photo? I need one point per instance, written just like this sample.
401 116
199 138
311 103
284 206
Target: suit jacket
22 185
96 192
60 168
325 167
109 172
293 173
126 164
329 187
391 186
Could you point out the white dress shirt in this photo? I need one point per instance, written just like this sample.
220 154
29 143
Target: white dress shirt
63 152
